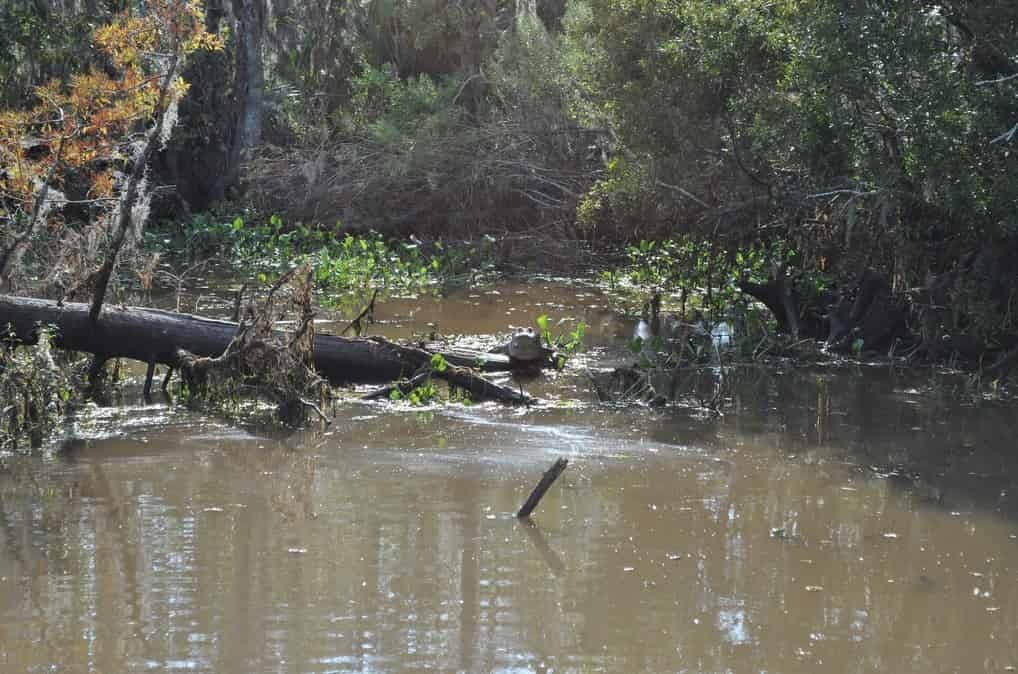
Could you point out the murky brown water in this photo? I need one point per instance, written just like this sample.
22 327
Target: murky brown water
852 520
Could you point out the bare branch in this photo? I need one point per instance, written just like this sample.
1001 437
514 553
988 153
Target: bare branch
686 193
1007 136
131 194
17 249
999 80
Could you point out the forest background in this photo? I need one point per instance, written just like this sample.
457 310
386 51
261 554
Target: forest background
850 163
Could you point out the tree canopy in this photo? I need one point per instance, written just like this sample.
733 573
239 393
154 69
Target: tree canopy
836 136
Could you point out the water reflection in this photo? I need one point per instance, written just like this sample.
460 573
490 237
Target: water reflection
829 521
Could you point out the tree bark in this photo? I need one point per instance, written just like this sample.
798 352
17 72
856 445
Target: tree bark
248 86
155 336
778 296
250 70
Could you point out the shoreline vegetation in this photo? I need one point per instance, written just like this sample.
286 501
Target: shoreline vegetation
750 179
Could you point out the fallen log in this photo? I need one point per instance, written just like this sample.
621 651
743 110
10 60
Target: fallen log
414 358
404 386
155 336
467 357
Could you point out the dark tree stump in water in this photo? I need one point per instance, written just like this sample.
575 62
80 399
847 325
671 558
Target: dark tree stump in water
801 320
869 312
875 316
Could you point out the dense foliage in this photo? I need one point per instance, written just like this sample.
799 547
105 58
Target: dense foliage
887 114
873 134
830 140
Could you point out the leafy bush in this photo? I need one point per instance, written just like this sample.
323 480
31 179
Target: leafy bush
460 153
860 135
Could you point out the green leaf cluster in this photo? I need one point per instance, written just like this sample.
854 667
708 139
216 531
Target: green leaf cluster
891 112
565 344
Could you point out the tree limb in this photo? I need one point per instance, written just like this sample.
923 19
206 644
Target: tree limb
131 195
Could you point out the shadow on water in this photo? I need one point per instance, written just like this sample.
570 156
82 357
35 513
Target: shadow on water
934 442
534 535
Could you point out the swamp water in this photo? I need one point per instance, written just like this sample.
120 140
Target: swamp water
833 520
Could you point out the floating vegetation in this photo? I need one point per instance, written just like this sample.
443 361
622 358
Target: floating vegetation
346 267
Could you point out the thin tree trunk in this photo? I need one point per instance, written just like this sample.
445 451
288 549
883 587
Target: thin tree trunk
131 194
251 15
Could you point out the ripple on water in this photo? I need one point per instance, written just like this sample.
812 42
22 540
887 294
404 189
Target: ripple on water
176 542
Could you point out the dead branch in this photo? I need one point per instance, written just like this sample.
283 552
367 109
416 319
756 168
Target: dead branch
547 480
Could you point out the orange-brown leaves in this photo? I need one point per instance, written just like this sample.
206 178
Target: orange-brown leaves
170 26
127 39
102 185
90 118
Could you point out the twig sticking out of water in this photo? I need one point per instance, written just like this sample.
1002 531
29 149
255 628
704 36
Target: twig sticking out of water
367 313
547 479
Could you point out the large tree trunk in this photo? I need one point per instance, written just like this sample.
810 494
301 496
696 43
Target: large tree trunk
248 84
197 164
155 336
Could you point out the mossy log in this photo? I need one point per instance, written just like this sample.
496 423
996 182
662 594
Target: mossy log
156 336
